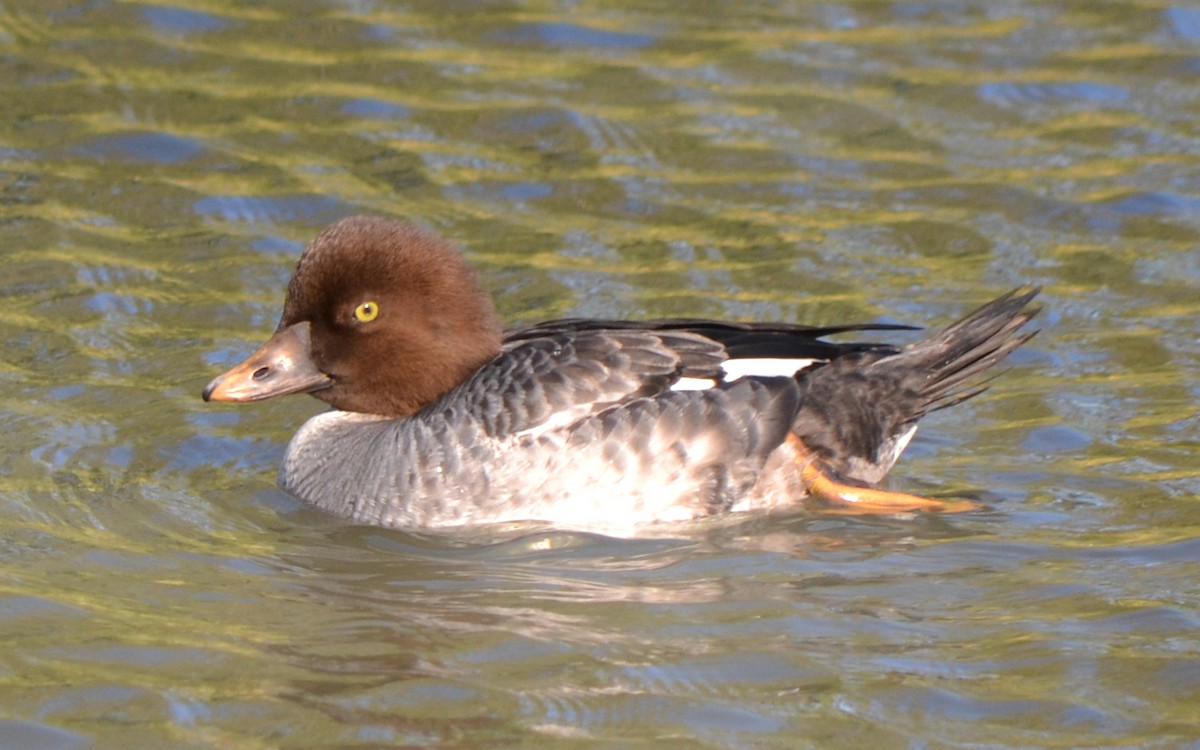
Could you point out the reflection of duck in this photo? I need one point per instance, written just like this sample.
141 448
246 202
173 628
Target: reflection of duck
442 419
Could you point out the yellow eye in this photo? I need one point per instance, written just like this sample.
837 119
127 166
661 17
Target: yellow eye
366 312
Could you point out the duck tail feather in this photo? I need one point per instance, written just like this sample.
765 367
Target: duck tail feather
951 360
859 410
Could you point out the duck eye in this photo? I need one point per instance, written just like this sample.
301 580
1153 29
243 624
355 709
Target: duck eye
366 312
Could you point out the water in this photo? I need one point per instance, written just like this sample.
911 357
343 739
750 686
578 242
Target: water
161 166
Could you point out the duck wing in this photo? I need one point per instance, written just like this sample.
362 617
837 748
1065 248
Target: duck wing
554 373
551 379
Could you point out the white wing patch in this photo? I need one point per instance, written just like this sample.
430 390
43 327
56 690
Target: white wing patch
693 384
763 367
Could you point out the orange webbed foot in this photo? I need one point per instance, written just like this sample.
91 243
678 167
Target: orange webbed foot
851 500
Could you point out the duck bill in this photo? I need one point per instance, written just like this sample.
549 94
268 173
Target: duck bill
281 366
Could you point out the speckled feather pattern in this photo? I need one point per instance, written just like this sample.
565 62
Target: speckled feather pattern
580 428
636 450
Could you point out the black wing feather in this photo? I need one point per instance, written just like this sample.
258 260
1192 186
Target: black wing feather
741 340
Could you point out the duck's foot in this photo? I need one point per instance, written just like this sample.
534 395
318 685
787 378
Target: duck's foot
851 500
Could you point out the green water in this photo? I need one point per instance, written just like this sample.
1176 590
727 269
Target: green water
161 167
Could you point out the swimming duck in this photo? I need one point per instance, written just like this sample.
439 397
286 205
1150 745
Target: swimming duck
441 418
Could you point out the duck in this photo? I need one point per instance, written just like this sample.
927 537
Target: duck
442 419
